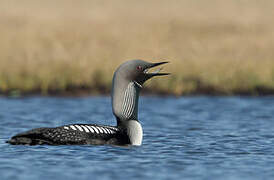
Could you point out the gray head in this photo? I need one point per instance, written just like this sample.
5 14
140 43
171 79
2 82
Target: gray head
127 82
137 71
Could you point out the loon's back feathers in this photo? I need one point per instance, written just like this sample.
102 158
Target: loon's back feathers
72 135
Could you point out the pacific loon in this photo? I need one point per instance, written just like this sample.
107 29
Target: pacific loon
127 82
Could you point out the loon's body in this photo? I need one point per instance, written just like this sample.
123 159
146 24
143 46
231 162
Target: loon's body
73 134
126 85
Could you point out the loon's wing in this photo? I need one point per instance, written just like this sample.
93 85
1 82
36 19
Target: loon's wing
68 135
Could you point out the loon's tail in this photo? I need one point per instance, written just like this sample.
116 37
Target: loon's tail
31 137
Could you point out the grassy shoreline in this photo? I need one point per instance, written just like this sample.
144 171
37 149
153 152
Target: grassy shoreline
85 91
68 47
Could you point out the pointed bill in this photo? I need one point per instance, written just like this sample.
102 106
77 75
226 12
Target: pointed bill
157 71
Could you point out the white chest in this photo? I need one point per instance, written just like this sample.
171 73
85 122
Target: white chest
135 132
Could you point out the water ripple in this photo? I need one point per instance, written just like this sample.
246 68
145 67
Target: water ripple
189 137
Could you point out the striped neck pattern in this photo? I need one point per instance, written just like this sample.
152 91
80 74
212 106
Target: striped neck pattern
130 102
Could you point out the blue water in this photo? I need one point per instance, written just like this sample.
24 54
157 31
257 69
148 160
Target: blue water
184 138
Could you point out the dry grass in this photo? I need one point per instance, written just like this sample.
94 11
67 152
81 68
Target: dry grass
215 46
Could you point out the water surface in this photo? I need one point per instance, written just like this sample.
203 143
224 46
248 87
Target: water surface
184 138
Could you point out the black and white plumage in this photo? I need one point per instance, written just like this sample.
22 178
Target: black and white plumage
127 83
73 134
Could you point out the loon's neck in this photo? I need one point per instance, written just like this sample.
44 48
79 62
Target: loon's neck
125 97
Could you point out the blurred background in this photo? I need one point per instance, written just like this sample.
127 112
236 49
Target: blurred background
73 47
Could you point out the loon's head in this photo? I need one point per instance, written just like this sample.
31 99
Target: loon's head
137 71
127 82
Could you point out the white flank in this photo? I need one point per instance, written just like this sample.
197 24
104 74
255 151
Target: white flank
65 127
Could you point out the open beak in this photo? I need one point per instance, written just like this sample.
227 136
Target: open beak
157 71
148 75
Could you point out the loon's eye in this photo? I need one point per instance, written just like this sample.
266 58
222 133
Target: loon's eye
139 68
